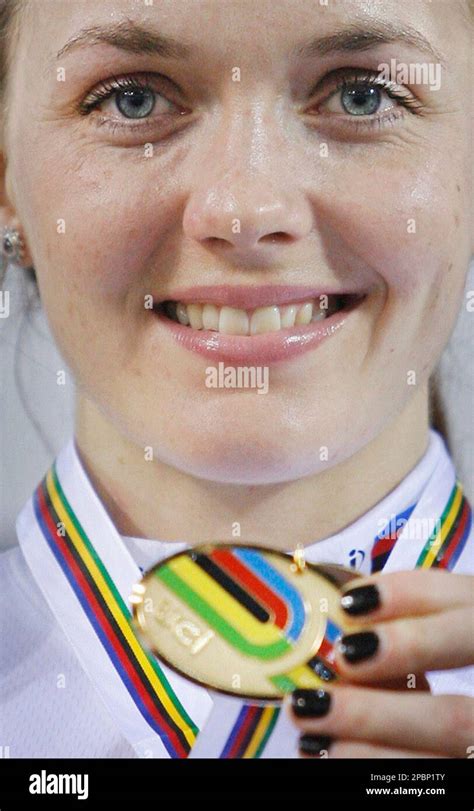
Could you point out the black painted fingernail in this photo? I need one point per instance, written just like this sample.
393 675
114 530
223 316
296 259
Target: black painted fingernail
356 647
313 744
361 600
310 703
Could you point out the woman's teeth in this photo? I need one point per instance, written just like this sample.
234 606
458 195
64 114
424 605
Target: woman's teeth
232 321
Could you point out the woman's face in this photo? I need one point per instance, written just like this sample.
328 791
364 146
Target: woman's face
245 164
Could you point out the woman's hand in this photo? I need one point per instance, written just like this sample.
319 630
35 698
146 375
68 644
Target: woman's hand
414 622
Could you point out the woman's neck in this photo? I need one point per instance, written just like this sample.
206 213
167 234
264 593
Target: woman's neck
155 500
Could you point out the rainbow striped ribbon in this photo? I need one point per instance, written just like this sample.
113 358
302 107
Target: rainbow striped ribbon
111 618
251 731
444 545
386 540
449 537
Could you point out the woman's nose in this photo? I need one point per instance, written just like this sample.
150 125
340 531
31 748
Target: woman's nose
248 211
250 222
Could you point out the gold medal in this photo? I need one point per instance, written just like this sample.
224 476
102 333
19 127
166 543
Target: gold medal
243 620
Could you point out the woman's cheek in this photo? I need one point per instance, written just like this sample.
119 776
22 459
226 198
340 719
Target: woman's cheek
397 225
400 227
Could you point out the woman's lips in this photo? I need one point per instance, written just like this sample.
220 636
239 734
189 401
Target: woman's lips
256 350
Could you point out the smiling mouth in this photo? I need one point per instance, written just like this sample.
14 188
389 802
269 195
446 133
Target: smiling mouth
259 320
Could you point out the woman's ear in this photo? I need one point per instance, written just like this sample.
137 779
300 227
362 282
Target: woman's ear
8 214
6 208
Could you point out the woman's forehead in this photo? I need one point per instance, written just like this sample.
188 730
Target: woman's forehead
216 15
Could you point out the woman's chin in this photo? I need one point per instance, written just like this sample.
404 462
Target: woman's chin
248 463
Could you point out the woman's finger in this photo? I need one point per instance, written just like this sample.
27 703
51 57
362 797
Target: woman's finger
416 682
443 724
403 647
388 596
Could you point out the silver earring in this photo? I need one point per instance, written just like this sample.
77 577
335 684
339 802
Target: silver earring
12 246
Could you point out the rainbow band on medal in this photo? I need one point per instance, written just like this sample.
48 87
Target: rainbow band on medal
251 731
269 599
448 539
239 594
386 540
111 618
320 668
332 633
275 581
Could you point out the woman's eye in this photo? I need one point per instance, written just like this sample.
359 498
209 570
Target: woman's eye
130 99
359 99
356 104
135 102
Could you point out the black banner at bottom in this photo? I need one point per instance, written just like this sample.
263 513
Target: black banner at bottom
91 783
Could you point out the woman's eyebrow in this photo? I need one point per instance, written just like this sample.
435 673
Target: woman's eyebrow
128 36
365 35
